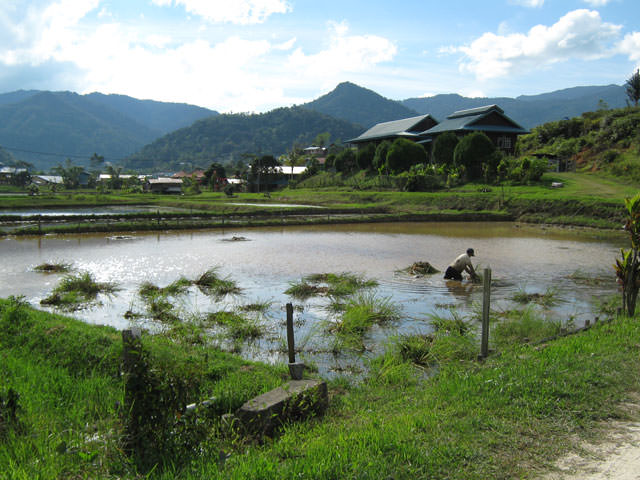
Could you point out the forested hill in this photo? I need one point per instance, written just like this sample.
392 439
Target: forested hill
5 157
359 105
528 110
45 128
228 137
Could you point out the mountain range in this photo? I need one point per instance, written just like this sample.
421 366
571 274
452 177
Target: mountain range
45 128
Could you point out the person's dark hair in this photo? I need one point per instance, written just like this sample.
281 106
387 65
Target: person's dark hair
470 252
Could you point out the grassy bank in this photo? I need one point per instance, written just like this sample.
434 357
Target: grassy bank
509 417
584 200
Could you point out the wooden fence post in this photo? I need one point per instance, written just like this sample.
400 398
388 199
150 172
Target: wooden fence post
295 368
131 365
486 307
290 339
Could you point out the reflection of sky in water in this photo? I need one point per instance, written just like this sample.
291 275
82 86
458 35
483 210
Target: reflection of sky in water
528 258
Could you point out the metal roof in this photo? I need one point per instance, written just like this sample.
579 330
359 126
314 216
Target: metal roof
467 120
395 128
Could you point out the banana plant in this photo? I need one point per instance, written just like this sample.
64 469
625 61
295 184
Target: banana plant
628 266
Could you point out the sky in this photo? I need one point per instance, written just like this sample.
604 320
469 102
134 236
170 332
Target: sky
256 55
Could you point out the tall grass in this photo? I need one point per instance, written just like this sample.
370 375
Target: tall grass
330 284
363 311
75 291
210 283
524 326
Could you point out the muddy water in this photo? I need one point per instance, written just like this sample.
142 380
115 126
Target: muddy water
525 258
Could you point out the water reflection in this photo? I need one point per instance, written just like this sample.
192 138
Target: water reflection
521 258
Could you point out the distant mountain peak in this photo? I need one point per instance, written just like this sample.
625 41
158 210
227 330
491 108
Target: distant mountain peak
356 104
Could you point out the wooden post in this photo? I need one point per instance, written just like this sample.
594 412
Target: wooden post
290 341
131 348
486 307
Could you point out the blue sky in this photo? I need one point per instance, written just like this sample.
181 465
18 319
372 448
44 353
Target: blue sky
255 55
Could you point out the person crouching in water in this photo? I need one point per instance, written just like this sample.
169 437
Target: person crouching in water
459 265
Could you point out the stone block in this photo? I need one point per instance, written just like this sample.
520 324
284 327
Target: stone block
295 400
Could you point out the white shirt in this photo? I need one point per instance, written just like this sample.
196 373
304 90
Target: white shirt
461 263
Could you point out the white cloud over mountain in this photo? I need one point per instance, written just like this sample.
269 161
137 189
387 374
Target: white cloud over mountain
580 34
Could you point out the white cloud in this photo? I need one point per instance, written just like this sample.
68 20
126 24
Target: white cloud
345 53
580 34
529 3
241 12
597 3
630 45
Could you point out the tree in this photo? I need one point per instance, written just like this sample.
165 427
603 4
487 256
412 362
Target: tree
70 173
403 154
345 161
633 87
628 267
214 175
322 139
364 156
380 157
472 152
443 148
115 182
262 170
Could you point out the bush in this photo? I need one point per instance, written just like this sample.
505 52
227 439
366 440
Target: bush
403 154
443 148
380 157
365 155
472 151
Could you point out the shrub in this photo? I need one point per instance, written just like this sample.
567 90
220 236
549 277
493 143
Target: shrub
403 154
472 151
443 148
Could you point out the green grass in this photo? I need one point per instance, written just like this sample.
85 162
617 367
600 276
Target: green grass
53 267
546 299
210 283
238 326
363 311
76 291
329 284
509 417
68 377
524 326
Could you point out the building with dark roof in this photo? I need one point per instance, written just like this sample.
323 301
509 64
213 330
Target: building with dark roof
489 119
410 128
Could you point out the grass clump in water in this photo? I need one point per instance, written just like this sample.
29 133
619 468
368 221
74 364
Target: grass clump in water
74 291
547 299
365 310
451 340
330 284
179 287
57 267
238 326
211 284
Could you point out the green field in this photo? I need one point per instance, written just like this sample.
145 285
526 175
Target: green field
508 417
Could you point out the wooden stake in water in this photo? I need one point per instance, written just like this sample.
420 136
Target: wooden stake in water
486 306
290 341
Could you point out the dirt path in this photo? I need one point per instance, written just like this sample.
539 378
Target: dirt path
616 457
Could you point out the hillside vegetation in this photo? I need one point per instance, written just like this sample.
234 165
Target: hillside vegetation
45 127
229 137
355 104
604 141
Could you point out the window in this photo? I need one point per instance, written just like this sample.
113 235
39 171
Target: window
504 143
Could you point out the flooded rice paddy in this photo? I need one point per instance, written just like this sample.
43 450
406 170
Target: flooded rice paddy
270 260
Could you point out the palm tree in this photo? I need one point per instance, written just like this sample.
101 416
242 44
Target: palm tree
633 87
